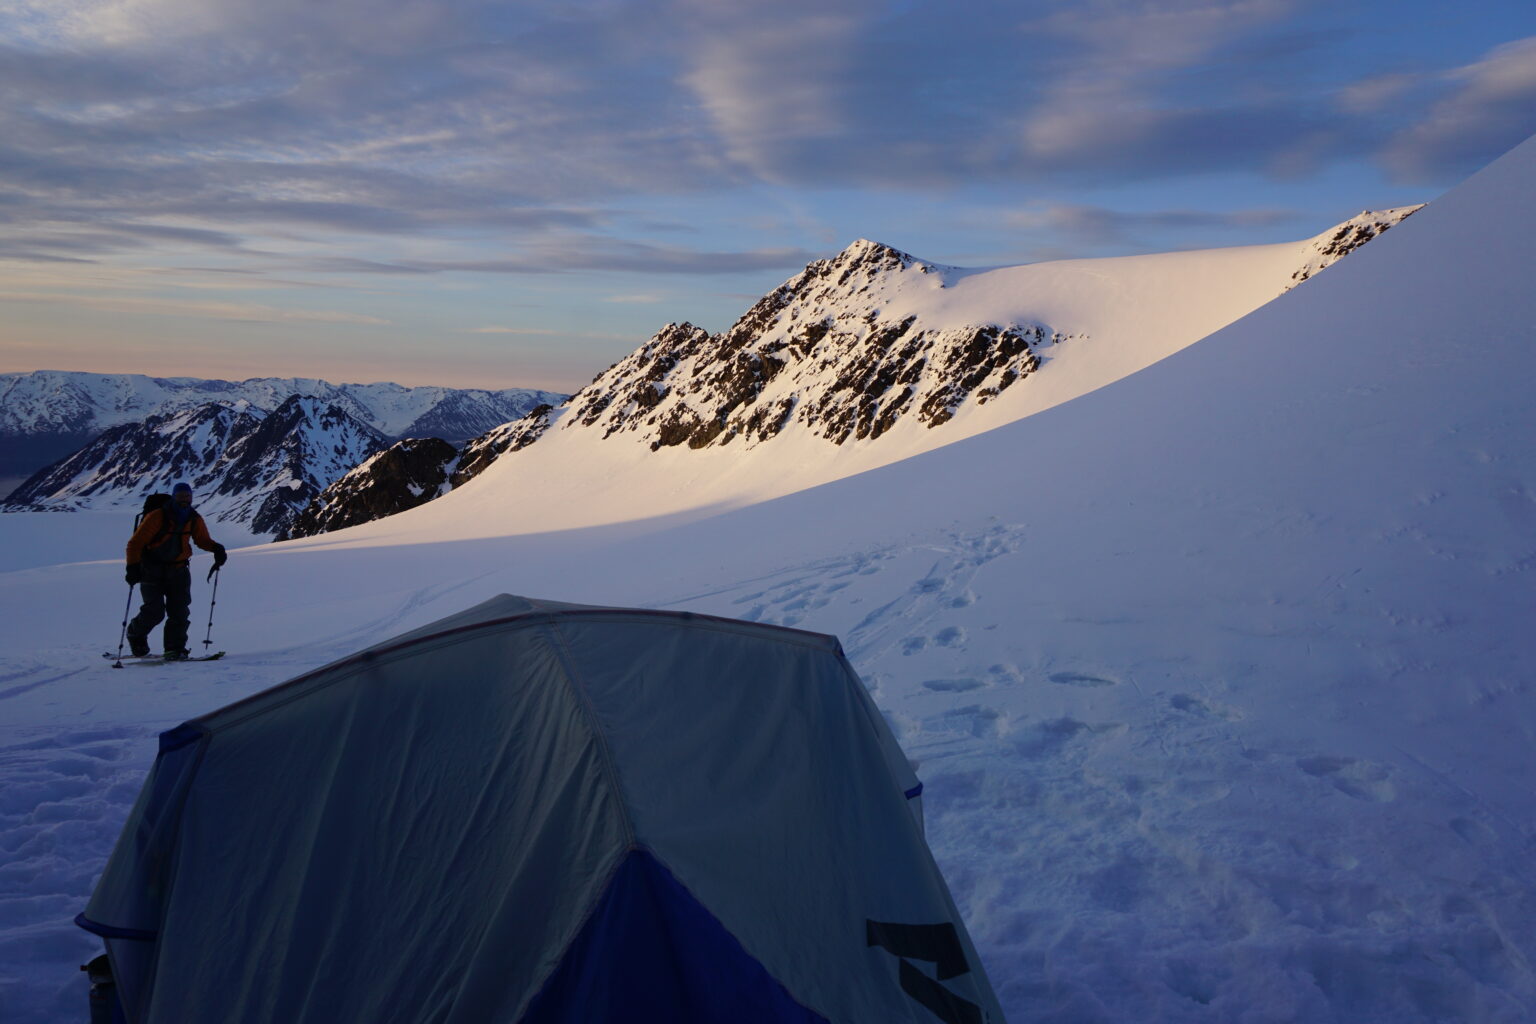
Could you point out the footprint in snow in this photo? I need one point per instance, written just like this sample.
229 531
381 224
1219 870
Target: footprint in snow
1055 737
950 636
1201 708
1473 833
973 718
960 685
1361 780
1004 674
1079 679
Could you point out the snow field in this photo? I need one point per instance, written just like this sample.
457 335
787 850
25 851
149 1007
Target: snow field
36 539
1131 832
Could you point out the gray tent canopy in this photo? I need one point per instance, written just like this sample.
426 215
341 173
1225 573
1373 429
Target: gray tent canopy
535 811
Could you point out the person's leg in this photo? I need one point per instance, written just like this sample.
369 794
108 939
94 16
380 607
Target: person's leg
178 607
152 594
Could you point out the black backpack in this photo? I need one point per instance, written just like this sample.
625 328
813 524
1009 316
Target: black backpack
151 503
166 547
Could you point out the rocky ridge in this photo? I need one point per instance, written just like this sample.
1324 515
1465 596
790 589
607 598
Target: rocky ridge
409 473
819 352
1336 243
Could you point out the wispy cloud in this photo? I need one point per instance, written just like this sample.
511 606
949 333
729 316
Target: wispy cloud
546 332
1100 225
295 135
244 312
590 252
1486 107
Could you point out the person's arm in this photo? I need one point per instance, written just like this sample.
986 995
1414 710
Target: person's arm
148 527
201 538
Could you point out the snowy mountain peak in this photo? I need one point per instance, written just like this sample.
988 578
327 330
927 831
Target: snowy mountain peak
821 353
257 470
870 256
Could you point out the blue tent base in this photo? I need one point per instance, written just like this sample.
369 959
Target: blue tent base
651 952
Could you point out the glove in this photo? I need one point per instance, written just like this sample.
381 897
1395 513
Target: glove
135 574
220 556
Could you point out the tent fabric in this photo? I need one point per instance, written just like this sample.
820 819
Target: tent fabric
446 825
651 952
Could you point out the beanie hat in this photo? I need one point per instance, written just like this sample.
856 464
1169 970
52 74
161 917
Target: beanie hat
179 488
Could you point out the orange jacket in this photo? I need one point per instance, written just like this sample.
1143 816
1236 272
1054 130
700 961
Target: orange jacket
153 524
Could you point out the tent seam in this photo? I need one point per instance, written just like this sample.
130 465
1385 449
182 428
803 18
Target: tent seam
605 752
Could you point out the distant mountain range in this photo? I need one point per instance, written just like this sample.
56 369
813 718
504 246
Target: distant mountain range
843 352
47 414
260 471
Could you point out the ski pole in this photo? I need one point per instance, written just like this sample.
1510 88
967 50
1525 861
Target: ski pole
126 609
213 599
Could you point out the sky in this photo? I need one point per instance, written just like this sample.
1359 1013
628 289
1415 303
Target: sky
489 194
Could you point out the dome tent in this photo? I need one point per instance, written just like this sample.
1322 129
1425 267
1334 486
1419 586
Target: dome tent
534 811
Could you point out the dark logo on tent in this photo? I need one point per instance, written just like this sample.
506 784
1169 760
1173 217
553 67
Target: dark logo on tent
938 944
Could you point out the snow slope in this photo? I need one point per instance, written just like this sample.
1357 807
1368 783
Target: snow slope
1219 678
861 361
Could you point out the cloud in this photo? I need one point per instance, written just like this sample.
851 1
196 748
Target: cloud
540 332
1140 90
590 252
777 76
1377 93
1488 107
50 242
271 130
244 312
917 95
403 118
1099 225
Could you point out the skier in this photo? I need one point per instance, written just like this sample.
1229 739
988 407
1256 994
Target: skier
157 561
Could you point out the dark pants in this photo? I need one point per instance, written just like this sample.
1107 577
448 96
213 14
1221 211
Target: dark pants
167 594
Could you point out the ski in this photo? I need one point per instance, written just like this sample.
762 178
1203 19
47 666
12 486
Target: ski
152 658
